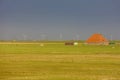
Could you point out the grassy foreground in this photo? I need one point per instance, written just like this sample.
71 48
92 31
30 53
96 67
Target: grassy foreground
59 62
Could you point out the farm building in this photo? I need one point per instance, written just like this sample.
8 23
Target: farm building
71 43
97 39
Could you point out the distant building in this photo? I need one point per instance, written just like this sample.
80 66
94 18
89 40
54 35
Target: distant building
97 39
69 43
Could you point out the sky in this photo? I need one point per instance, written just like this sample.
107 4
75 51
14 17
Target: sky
59 19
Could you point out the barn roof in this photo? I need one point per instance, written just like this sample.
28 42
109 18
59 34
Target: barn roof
97 38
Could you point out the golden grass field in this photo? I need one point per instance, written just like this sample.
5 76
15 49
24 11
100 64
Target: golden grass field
59 62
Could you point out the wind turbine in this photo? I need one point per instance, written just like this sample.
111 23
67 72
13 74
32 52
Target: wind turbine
24 37
111 37
61 36
77 37
43 36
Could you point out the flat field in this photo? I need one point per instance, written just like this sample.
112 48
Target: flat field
55 61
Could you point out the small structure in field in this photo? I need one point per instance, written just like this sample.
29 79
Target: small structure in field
75 43
71 43
97 39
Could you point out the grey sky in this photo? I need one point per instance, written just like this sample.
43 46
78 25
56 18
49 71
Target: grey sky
58 19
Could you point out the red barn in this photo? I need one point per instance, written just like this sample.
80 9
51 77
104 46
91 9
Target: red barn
98 39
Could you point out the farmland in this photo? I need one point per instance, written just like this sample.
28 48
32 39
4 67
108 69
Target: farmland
55 61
